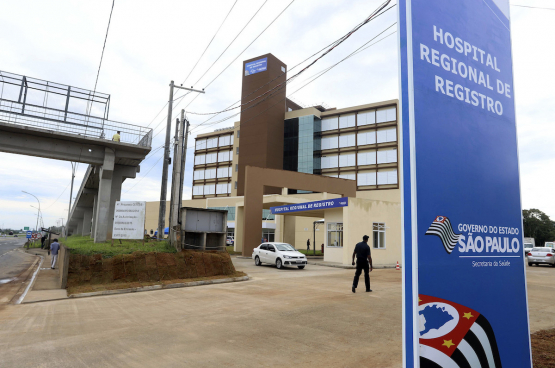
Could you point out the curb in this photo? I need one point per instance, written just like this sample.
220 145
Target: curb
160 287
350 267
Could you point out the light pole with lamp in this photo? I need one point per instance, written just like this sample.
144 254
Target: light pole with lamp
36 227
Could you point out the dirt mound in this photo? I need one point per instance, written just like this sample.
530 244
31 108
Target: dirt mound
147 267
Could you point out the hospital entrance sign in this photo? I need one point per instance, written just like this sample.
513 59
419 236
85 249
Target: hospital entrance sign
464 282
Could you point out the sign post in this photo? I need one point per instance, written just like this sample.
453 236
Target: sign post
29 234
129 220
464 282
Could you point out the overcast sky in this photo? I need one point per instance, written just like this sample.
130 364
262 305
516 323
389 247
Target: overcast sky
151 43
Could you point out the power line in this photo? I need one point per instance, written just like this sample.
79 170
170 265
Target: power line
241 31
278 87
260 34
209 43
315 76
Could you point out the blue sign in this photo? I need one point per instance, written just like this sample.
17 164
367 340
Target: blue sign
464 281
311 206
256 66
29 234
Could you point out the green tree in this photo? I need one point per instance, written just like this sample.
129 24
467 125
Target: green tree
538 225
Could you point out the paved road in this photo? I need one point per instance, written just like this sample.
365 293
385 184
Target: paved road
280 318
14 267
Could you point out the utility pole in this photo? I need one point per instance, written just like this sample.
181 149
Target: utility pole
176 182
174 168
183 159
164 189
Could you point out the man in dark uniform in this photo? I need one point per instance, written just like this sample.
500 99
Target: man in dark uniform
362 251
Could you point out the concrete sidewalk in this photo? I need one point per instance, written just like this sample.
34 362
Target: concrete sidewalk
46 285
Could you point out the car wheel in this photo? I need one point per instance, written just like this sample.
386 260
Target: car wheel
257 261
279 265
300 267
530 264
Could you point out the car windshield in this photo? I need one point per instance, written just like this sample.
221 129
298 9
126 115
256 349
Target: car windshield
542 250
284 247
528 246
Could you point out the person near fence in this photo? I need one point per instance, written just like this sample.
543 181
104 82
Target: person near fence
42 240
116 137
364 262
54 248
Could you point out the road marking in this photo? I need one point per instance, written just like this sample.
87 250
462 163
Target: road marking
30 282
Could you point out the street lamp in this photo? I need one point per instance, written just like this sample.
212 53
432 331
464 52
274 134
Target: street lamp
37 226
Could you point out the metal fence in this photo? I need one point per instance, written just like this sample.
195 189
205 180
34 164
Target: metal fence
72 123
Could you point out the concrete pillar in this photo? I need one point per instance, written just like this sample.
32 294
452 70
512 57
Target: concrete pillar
120 174
93 224
103 203
87 222
279 229
79 229
238 243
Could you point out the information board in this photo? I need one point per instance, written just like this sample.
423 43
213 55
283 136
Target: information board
311 206
29 234
256 66
26 228
129 220
465 301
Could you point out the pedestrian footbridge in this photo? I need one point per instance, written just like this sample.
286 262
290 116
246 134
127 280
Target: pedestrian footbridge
50 120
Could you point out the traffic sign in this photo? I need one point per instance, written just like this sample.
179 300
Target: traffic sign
26 228
29 234
464 274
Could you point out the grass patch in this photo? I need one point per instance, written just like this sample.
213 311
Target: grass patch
127 285
310 252
33 245
84 245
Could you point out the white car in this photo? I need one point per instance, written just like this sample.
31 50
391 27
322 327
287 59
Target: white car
280 254
541 255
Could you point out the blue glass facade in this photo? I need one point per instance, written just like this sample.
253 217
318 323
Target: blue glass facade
302 145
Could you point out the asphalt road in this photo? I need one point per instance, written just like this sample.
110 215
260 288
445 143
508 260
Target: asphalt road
14 268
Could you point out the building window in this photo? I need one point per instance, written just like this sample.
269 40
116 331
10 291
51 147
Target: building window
387 177
198 175
366 158
222 188
225 140
237 150
211 158
329 123
387 114
366 178
209 189
348 176
335 234
347 160
387 135
201 144
224 156
379 235
198 189
236 167
347 140
238 133
330 162
366 138
366 118
387 156
235 185
347 121
212 142
223 172
200 159
210 174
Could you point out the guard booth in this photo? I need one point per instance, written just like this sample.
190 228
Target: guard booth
202 229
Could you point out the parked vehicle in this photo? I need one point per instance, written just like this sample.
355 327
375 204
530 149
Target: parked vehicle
529 243
229 240
541 255
280 254
549 244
